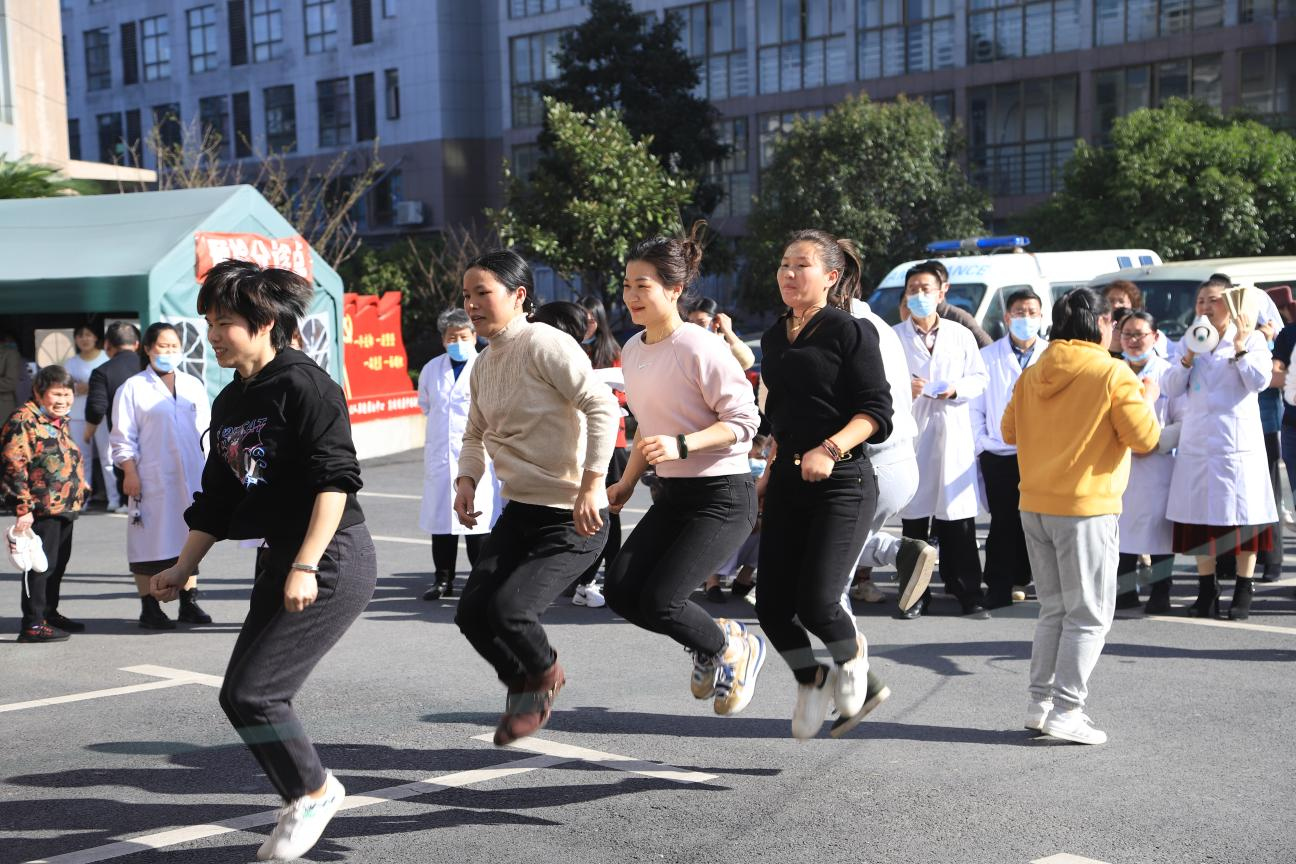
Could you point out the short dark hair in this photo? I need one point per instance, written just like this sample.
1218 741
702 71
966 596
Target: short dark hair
1220 279
264 296
562 315
706 306
1019 295
1076 314
155 330
51 377
511 270
122 334
931 268
1141 315
84 328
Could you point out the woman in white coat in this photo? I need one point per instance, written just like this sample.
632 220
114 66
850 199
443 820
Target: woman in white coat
1221 499
948 372
88 358
444 397
1144 528
159 419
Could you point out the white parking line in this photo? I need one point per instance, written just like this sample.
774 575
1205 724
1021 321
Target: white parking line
1229 625
421 541
390 495
171 678
609 760
1066 858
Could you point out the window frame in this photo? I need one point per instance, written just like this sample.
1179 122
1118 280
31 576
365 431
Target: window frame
208 59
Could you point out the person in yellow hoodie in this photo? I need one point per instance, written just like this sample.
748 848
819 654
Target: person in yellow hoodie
1075 416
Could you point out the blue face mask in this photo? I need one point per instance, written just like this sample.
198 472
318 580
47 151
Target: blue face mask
1025 329
462 352
1136 358
922 305
757 466
165 363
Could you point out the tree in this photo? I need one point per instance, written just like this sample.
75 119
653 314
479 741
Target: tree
617 59
884 175
612 194
1181 179
27 179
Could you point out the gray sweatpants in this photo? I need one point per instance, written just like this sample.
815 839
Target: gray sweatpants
1073 560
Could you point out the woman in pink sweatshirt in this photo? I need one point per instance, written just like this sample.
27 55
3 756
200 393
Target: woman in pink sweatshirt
696 418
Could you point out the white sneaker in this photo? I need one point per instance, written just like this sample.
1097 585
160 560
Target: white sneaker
737 667
26 553
588 595
1288 517
866 592
813 703
1036 713
1073 725
851 685
301 823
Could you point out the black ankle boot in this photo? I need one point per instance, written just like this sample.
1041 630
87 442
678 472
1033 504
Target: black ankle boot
190 611
1208 592
152 617
438 589
1159 601
1241 608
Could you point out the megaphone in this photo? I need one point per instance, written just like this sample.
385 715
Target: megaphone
1201 336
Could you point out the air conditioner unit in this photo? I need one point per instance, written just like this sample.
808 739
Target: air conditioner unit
409 213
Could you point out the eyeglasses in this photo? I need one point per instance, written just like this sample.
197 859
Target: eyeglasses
1135 337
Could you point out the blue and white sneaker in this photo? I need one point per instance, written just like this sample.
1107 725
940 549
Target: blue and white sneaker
738 667
703 680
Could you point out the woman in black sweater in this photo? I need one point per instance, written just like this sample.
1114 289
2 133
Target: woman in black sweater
828 396
282 466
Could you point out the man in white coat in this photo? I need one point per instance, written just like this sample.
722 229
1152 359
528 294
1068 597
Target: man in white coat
159 418
1006 565
947 373
444 396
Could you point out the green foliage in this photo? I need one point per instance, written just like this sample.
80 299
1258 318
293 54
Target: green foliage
886 176
611 194
1182 180
27 179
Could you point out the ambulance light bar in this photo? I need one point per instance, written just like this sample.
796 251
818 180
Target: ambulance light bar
972 244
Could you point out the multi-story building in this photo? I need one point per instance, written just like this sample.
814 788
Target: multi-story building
449 87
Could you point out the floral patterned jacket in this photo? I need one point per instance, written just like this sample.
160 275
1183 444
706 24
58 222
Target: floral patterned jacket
42 472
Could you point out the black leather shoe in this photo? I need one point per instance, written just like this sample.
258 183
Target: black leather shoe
914 611
67 625
152 617
433 593
190 611
974 610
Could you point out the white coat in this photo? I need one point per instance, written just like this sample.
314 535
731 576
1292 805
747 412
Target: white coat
444 399
165 437
1144 528
899 445
1221 470
1002 370
947 484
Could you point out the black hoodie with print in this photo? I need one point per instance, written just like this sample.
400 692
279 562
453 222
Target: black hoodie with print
277 440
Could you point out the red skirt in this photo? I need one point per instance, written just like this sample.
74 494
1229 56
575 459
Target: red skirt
1213 540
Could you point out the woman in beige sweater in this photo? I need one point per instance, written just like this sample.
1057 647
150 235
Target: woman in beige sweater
549 425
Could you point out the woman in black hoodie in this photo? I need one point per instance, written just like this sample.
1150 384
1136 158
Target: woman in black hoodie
282 466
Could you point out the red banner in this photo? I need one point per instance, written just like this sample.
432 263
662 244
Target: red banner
286 253
377 379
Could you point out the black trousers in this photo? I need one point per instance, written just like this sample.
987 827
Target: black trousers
276 651
616 469
530 556
690 530
40 591
445 551
960 563
1272 561
1006 561
811 536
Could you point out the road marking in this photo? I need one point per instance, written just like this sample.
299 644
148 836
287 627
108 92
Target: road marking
1066 858
610 760
421 541
1229 625
171 678
391 495
550 753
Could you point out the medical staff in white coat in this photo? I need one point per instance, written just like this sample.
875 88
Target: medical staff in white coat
1007 566
444 396
88 358
1221 499
947 373
1144 528
160 418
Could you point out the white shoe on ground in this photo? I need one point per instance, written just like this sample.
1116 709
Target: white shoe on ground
588 595
1036 713
813 703
850 688
1073 725
301 823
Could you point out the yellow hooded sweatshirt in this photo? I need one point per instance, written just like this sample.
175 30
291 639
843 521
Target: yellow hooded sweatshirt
1074 416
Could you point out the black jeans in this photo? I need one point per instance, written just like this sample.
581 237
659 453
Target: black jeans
531 555
960 562
616 469
692 528
445 551
811 536
40 591
276 651
1006 561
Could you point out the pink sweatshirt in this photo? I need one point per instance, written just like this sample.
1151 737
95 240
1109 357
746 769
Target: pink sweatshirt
683 384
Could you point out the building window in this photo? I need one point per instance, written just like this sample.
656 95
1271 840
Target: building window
242 103
383 199
267 30
1022 30
334 97
202 39
321 26
366 107
1266 77
111 146
74 139
361 22
733 173
532 60
772 127
803 44
130 52
166 120
1265 10
392 79
98 63
280 119
527 8
213 115
897 37
716 34
1118 92
132 145
1117 21
157 48
1021 134
525 159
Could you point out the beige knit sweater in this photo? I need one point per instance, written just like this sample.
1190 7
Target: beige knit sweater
540 413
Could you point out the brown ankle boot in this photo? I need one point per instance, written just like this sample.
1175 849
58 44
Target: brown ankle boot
529 711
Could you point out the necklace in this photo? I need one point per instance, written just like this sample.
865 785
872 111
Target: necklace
796 322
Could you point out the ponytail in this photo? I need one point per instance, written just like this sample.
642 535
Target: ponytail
1076 314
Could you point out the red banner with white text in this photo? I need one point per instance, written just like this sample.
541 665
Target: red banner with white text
377 378
285 253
